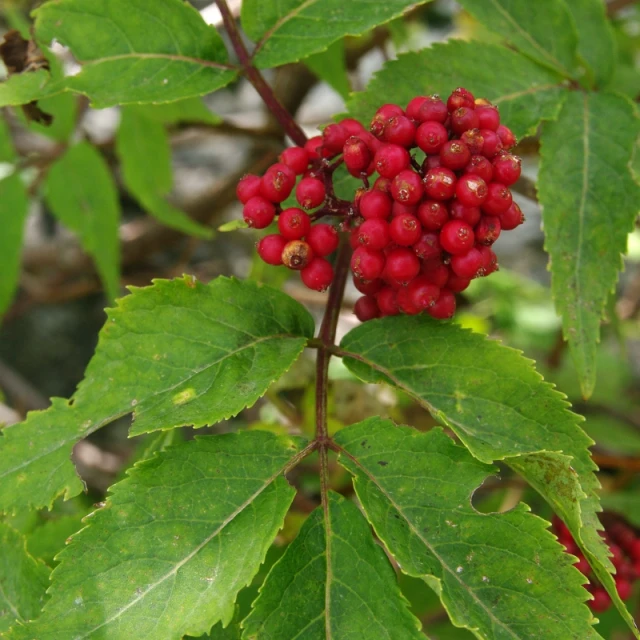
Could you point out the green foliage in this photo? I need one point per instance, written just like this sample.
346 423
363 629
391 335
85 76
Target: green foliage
332 582
590 202
294 29
525 92
80 191
330 66
499 575
166 559
23 88
126 60
23 580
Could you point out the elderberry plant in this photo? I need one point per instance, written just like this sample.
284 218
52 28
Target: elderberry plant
169 552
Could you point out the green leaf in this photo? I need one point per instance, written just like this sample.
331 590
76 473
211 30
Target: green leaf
176 353
627 504
23 580
136 50
596 41
174 544
47 540
22 88
145 155
525 92
543 30
81 193
233 225
289 30
171 113
590 202
7 152
333 581
331 66
501 409
500 575
14 206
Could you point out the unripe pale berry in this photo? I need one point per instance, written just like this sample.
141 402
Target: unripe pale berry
297 255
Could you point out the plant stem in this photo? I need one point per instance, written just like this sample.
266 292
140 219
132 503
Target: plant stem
290 126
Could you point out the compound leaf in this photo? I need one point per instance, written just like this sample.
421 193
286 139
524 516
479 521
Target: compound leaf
332 582
543 30
590 202
175 542
145 156
23 580
525 92
134 51
175 353
500 575
81 193
289 30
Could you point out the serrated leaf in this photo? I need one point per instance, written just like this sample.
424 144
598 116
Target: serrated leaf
81 193
543 30
134 51
145 155
332 582
525 92
22 88
175 353
14 207
289 30
331 66
596 42
23 580
590 202
500 575
174 543
48 539
501 409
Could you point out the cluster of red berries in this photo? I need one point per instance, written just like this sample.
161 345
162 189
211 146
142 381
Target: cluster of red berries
423 230
624 545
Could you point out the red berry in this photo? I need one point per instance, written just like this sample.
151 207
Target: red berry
471 190
323 239
248 187
398 208
460 98
374 233
405 230
407 187
474 141
294 223
277 182
506 137
382 184
413 108
390 160
490 260
270 248
634 550
444 307
382 115
366 308
428 247
258 212
402 265
470 215
357 156
436 272
375 204
367 264
620 532
387 302
498 199
405 303
463 119
456 283
582 565
433 108
456 237
488 117
432 214
422 293
399 130
480 166
431 162
310 193
491 145
430 136
296 158
333 137
487 231
506 168
297 254
601 600
313 147
368 287
353 127
440 183
624 588
467 265
317 275
455 155
617 557
512 217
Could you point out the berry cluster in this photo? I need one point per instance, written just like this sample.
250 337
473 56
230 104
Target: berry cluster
422 230
624 545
